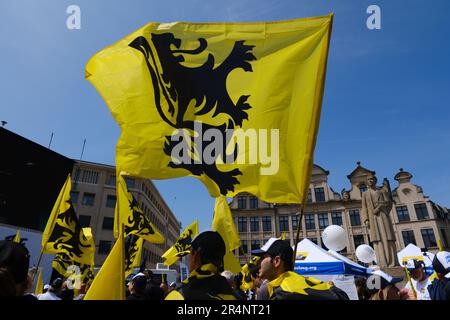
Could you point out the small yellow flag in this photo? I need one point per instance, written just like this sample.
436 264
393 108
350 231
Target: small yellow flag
223 223
109 284
182 246
132 217
39 284
63 233
17 237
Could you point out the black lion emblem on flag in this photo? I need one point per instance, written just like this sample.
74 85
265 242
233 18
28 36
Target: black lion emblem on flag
205 88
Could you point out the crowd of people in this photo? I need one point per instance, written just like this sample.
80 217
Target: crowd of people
272 278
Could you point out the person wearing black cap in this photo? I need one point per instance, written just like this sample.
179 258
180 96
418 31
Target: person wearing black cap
136 288
276 266
419 279
439 288
14 263
206 264
53 292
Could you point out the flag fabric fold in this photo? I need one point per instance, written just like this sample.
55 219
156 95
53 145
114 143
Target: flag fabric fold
236 105
182 246
134 246
223 223
132 217
109 283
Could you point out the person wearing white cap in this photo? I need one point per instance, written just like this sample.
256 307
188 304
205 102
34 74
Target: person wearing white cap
419 279
440 286
382 286
276 266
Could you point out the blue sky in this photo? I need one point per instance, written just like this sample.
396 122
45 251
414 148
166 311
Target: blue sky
386 99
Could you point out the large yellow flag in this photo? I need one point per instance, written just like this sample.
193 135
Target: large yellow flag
182 246
236 105
132 217
109 283
223 223
63 233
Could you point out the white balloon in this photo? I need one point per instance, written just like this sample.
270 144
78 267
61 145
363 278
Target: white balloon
365 253
334 238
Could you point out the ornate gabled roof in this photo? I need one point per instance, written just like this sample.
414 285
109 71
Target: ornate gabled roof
403 175
360 169
319 168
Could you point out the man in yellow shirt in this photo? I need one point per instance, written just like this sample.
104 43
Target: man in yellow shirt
206 264
277 267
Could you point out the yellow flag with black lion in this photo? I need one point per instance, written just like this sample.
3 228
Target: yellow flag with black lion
236 105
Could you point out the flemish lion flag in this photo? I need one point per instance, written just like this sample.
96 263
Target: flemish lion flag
134 246
236 105
182 246
68 268
132 217
63 233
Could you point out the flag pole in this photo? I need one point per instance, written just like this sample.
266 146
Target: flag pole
409 280
297 237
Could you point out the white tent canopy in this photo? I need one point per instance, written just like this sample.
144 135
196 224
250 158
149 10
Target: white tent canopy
313 260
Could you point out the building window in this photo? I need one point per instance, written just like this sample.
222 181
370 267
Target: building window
108 223
336 218
87 176
355 219
421 211
320 194
358 240
111 201
284 223
444 238
323 220
253 202
74 196
294 222
242 202
362 188
408 237
428 238
309 199
254 224
130 182
310 224
242 224
88 199
111 180
402 213
84 221
267 223
104 247
244 246
255 245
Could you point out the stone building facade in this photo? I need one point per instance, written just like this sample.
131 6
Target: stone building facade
94 199
416 218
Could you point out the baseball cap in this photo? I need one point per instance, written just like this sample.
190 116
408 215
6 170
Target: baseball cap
381 278
140 282
16 258
413 264
274 247
441 262
210 245
47 286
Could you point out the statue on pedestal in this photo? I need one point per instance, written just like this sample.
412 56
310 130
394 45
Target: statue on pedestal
376 206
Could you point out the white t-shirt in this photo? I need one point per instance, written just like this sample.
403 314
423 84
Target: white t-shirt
48 296
421 288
